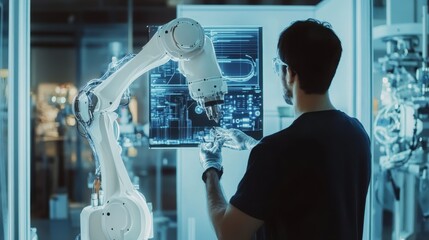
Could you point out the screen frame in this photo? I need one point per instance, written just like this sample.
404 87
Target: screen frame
255 134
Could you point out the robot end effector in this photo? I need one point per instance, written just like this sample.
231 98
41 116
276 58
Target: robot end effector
185 42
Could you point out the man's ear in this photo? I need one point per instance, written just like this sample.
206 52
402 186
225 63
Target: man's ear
292 71
292 75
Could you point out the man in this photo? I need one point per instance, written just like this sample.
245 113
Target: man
310 180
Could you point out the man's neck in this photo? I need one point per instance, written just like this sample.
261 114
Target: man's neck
312 103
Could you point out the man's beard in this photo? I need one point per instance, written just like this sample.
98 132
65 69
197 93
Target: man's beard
287 94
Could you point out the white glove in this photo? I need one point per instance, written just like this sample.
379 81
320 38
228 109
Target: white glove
211 155
235 139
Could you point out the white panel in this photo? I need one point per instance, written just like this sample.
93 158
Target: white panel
340 14
193 220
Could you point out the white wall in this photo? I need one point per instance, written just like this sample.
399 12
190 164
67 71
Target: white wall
340 14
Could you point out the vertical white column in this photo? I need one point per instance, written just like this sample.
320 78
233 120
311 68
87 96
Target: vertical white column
19 120
363 92
364 63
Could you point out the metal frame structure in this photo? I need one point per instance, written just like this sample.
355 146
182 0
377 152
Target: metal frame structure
19 121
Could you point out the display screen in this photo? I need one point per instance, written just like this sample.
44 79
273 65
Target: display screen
175 118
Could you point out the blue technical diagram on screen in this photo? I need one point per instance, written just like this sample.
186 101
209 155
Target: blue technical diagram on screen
175 118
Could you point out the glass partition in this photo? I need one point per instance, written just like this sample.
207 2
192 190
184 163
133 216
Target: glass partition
400 121
66 54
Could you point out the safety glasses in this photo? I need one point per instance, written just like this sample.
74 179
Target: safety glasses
279 66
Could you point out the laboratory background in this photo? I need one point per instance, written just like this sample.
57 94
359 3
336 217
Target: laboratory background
56 172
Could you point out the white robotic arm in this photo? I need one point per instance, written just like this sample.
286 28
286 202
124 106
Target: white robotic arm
118 211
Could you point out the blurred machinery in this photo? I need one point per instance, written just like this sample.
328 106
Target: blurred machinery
53 107
401 129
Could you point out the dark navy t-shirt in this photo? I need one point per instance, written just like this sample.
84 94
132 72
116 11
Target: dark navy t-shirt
310 180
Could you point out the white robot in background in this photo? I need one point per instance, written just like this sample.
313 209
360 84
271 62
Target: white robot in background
118 211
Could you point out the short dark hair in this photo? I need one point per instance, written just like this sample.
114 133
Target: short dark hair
313 51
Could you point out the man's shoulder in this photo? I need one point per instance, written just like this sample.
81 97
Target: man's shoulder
277 136
282 137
